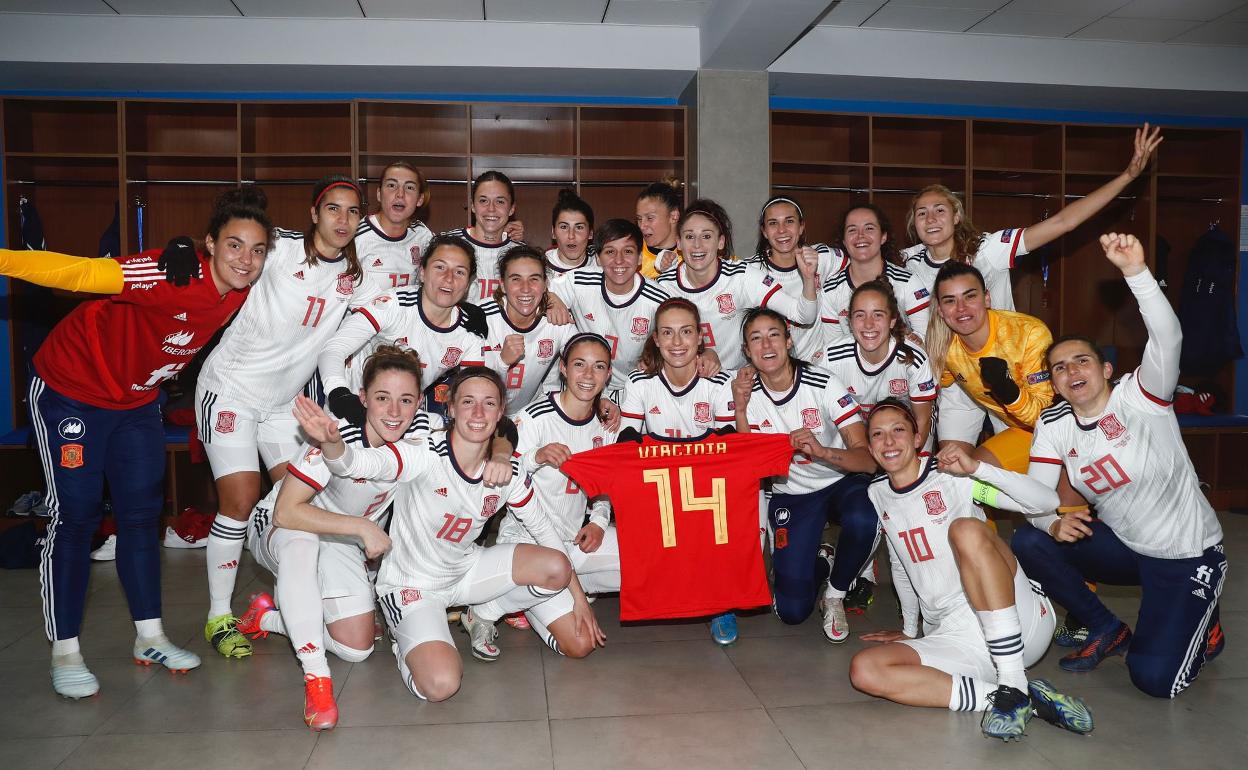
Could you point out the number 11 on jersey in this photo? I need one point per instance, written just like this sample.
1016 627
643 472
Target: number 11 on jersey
716 502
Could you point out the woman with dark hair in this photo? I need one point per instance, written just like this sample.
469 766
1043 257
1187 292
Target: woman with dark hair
95 409
658 210
492 232
249 382
571 227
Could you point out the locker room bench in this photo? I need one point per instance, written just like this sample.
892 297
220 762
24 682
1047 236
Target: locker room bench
1218 445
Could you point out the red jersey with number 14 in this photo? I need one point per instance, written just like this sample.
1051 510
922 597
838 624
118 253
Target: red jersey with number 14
687 518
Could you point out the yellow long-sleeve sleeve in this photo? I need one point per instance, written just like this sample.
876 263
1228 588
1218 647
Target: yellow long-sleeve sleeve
62 271
1021 341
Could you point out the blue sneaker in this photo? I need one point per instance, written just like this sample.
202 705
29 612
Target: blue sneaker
1065 711
1071 633
724 628
1112 642
1009 711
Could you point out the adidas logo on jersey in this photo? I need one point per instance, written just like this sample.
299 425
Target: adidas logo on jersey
180 317
299 275
589 316
376 263
440 491
1072 453
655 410
766 423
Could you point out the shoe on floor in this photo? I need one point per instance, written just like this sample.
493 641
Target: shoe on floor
320 712
1064 711
71 678
482 635
724 628
160 650
107 551
517 620
24 504
835 621
860 597
1071 633
222 633
1009 711
1098 648
1216 642
189 530
248 624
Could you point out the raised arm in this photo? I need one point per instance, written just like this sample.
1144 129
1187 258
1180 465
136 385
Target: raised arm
1159 370
62 271
1080 211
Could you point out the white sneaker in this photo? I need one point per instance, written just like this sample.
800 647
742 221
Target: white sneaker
107 551
835 623
482 635
71 678
160 650
173 540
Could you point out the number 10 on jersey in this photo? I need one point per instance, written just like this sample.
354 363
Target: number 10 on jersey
716 502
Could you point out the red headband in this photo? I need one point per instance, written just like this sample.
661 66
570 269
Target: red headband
317 203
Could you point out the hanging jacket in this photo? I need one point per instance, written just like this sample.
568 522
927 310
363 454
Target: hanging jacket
1207 307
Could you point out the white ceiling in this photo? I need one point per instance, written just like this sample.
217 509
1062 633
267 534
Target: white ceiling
1184 22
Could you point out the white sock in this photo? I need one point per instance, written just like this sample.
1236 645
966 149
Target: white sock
1004 634
273 623
149 629
969 694
299 599
65 646
225 548
543 632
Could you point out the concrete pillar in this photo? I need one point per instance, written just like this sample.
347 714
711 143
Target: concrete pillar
730 153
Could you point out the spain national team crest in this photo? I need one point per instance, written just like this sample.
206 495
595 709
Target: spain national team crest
545 348
409 596
415 252
811 419
597 442
225 422
726 304
1111 426
641 326
71 456
489 506
897 387
345 284
702 412
451 356
312 452
782 538
934 502
442 393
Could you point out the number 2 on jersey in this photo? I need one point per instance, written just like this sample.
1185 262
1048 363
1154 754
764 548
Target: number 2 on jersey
1105 470
716 502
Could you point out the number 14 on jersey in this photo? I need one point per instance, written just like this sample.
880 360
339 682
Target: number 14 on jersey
716 502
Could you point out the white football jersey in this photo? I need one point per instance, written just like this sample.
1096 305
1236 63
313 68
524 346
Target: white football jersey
916 521
488 278
817 400
808 342
913 297
651 405
396 318
624 321
270 350
439 509
558 497
559 267
871 383
996 255
537 372
736 288
393 262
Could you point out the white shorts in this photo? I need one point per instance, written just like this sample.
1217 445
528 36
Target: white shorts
340 566
957 646
599 571
960 418
234 434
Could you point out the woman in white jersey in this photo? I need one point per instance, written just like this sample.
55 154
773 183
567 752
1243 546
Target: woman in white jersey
314 532
491 233
780 394
724 289
441 508
523 344
553 429
249 382
781 238
983 622
612 300
1121 447
391 242
429 318
871 249
571 226
938 221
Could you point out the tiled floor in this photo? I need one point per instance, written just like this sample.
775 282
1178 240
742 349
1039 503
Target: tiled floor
659 695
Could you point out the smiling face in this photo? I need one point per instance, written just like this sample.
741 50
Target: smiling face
586 371
863 236
399 195
871 320
475 408
524 285
237 254
571 233
677 336
1079 376
445 276
336 219
390 402
783 228
963 304
619 259
656 221
934 219
892 440
767 345
700 243
492 206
